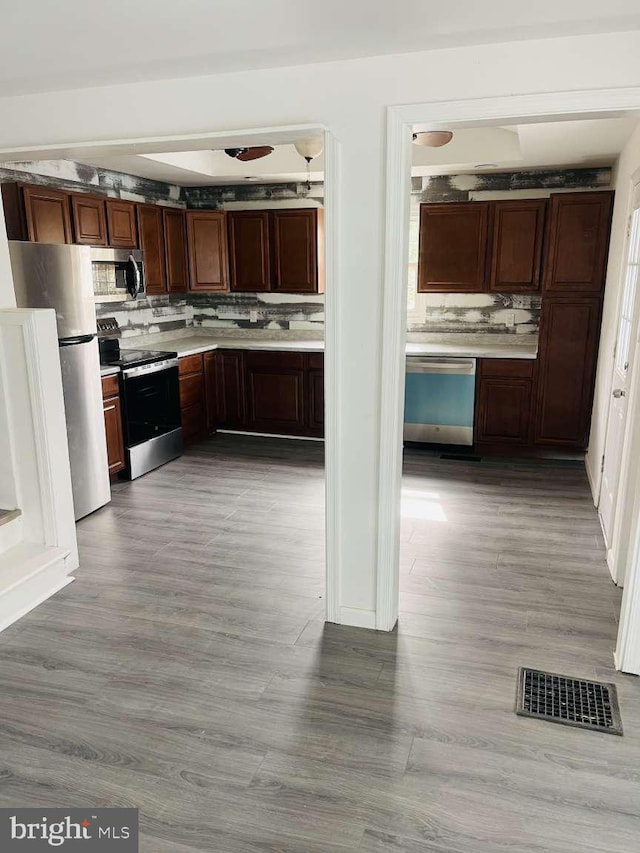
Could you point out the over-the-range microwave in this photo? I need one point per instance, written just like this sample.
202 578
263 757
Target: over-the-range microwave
118 274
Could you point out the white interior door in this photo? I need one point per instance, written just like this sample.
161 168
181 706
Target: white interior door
621 372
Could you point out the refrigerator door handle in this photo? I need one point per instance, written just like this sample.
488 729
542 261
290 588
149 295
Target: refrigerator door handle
80 339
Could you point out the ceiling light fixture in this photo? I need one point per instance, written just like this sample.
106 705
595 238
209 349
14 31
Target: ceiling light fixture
433 138
309 149
486 166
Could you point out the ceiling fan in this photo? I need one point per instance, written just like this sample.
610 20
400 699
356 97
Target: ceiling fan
252 153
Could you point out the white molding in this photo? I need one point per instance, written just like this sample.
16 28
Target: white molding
42 415
332 383
357 618
627 654
30 575
400 120
392 368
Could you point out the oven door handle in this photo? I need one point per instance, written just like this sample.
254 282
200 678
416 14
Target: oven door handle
146 369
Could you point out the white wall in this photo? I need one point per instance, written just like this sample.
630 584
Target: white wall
350 98
628 163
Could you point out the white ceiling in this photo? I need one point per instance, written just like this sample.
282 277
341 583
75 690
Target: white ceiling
594 142
46 46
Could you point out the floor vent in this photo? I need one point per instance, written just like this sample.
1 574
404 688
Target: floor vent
571 701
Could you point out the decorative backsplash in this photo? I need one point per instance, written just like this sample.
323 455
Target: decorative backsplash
272 311
148 315
491 313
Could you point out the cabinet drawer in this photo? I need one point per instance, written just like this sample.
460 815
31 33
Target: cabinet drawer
191 390
286 360
190 364
507 368
193 422
316 361
110 386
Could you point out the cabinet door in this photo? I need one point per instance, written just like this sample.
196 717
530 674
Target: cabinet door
113 428
295 250
315 391
578 242
503 411
47 215
275 392
175 240
569 332
249 256
207 240
453 247
516 250
230 389
89 220
151 230
121 224
210 390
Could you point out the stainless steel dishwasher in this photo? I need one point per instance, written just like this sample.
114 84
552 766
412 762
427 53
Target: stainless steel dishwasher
439 400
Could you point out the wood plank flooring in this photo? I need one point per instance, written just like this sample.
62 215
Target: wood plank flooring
188 670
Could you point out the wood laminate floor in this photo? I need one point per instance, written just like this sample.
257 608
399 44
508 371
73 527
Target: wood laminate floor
188 671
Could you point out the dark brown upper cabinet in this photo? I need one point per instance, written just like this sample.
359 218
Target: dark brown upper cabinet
207 241
89 220
578 242
295 250
121 224
151 231
39 214
175 242
516 245
569 332
249 250
453 247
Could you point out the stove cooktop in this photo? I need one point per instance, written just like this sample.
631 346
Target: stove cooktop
134 357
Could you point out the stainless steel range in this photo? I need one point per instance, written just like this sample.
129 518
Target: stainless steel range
150 395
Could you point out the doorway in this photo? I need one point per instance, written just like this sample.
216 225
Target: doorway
315 384
613 475
401 123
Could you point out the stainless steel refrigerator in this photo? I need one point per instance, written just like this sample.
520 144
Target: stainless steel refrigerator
60 277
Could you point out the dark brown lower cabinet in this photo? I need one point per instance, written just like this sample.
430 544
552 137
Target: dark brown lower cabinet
255 391
275 383
569 334
503 405
192 398
210 359
315 393
113 423
230 394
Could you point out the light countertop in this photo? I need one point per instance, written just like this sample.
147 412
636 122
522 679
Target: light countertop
463 346
109 370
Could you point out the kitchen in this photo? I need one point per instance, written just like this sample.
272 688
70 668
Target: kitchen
214 308
213 663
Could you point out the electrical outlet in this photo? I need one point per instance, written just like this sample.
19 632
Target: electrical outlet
253 315
510 318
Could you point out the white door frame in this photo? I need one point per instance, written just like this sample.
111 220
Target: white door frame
332 356
443 114
619 546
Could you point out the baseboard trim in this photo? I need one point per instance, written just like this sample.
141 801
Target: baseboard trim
269 435
357 618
